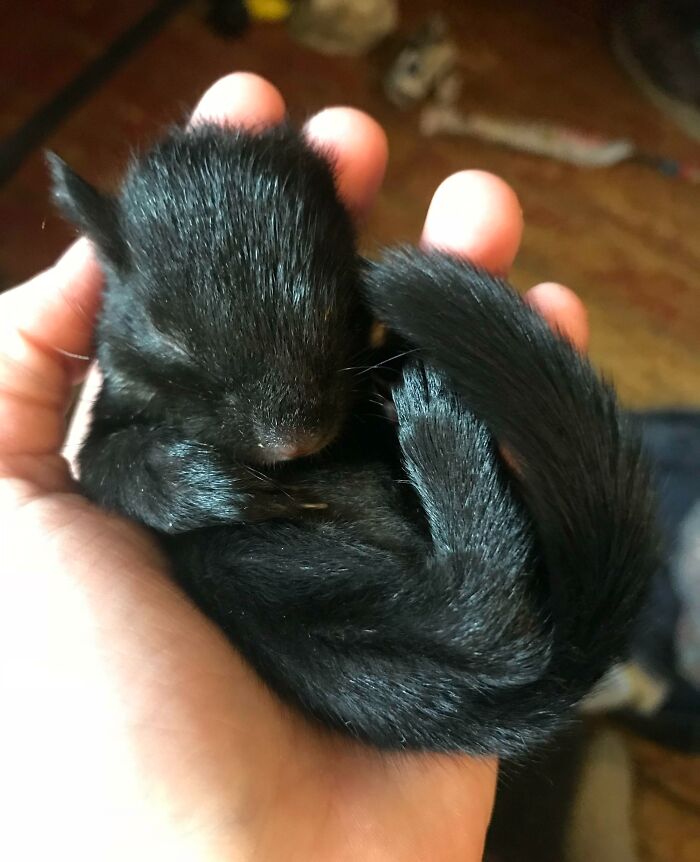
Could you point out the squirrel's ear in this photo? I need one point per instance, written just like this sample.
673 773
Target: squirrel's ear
93 213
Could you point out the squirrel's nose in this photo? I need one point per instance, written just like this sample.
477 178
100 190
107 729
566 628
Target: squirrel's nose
289 450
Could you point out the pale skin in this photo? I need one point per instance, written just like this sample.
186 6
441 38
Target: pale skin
132 729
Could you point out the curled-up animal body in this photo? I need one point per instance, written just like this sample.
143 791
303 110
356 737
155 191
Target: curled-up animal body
392 578
445 602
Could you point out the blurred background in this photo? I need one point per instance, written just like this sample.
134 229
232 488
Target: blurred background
590 109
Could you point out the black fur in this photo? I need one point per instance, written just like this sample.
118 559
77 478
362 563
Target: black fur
436 603
231 317
474 621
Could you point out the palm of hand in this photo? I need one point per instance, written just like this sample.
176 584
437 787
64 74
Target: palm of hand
172 710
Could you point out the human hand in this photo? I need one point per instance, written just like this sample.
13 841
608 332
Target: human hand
132 728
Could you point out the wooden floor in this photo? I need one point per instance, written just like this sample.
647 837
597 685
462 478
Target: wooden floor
626 238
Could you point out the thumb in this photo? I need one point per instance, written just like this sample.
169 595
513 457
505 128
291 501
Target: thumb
45 336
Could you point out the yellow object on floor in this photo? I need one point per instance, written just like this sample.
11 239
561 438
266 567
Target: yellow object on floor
268 10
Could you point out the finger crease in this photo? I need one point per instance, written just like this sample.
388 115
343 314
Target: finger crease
53 353
32 401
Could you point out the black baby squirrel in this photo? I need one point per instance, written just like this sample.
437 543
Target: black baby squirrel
400 585
231 322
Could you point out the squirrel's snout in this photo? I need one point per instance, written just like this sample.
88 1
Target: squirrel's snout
287 450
